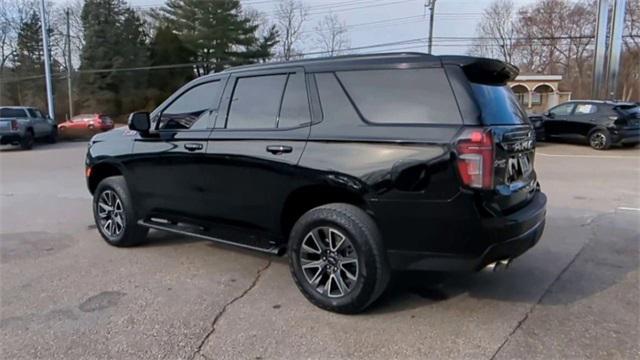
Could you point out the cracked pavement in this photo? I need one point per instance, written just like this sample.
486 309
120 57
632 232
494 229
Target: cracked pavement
65 294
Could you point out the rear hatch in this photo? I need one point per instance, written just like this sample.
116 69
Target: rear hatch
510 134
630 115
9 116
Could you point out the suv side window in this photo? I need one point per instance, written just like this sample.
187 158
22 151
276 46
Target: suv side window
402 96
335 105
255 102
190 107
562 110
295 103
585 109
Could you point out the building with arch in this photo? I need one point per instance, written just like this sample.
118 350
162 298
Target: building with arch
537 93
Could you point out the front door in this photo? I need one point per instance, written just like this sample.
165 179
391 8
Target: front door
166 167
257 142
556 123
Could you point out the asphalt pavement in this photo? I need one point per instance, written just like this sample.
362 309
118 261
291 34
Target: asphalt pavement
66 294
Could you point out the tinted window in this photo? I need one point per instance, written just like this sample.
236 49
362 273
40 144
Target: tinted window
32 113
335 105
562 110
498 105
12 113
191 106
420 96
255 102
295 104
629 111
584 109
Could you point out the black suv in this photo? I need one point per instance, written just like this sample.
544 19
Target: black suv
602 123
355 166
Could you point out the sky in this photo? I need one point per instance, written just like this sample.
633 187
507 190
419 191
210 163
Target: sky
385 21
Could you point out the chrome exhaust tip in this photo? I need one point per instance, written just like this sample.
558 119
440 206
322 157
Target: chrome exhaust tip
498 265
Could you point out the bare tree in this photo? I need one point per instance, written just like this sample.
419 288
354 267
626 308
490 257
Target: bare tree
332 35
290 18
496 32
631 52
12 14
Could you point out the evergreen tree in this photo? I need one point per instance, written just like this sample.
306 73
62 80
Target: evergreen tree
29 56
114 38
218 32
29 61
167 49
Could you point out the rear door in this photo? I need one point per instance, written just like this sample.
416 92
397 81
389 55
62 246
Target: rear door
584 118
167 167
257 142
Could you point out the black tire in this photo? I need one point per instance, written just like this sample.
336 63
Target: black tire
27 140
131 233
372 274
600 139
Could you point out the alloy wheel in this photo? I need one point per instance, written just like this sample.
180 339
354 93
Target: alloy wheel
110 213
329 262
598 140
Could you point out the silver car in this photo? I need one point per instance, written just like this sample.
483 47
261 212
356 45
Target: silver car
21 125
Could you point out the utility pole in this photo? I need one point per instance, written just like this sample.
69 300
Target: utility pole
431 5
598 83
47 59
69 65
615 47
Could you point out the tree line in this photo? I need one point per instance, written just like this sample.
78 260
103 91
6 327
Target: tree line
558 37
128 58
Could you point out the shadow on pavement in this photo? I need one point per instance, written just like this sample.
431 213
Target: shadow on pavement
612 253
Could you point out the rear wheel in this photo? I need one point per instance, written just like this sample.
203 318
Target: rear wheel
337 258
27 140
600 140
114 213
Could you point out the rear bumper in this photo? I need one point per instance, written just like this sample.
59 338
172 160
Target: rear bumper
503 238
10 138
626 136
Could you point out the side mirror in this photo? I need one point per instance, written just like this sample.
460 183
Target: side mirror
139 121
549 114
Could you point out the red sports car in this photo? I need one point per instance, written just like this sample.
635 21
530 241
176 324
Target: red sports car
84 124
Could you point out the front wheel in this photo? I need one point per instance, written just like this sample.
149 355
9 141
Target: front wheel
114 213
600 140
337 258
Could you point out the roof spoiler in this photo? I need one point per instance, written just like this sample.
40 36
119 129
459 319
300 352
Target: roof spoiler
483 70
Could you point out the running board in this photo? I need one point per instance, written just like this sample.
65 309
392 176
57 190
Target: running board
175 229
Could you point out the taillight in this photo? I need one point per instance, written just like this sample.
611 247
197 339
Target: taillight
14 125
475 158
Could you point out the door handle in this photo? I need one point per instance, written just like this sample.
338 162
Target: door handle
279 149
193 146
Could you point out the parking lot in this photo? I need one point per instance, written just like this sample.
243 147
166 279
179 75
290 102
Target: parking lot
66 294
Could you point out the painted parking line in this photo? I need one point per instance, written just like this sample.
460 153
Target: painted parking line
588 156
628 208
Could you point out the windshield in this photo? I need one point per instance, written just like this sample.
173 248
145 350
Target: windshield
12 113
498 105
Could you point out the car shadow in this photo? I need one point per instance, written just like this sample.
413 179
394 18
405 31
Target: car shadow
603 263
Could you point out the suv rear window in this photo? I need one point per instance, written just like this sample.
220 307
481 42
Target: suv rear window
498 105
402 96
629 111
12 113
